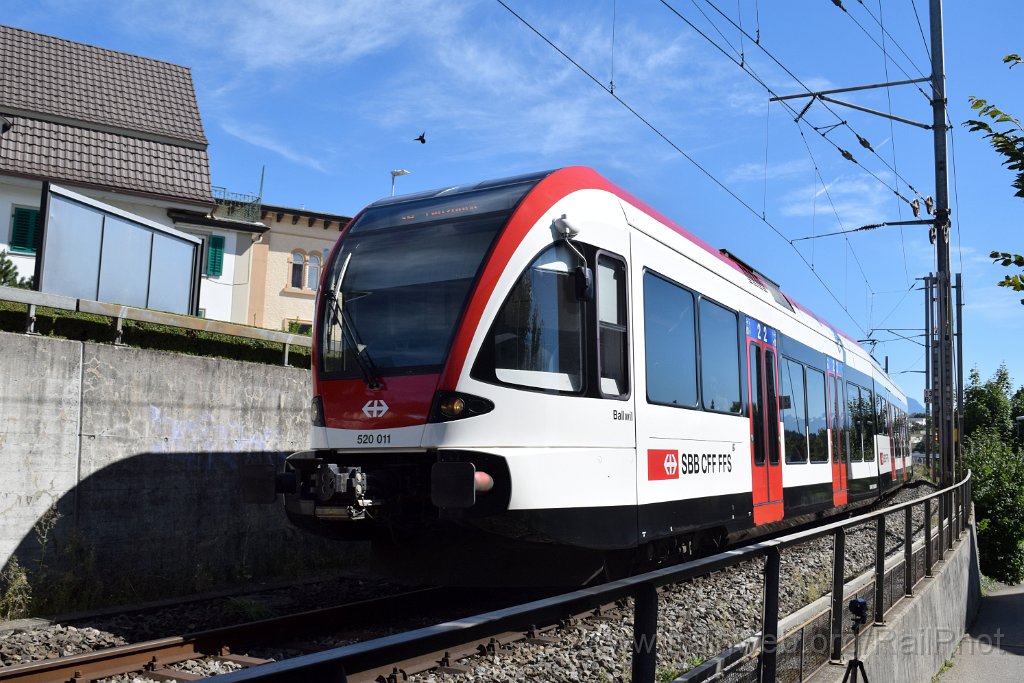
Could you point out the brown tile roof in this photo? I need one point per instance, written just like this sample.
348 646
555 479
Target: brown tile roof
53 77
107 160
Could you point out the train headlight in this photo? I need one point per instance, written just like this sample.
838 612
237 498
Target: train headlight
316 412
451 405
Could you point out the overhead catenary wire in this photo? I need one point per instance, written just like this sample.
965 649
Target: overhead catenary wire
841 121
686 156
611 81
822 131
885 33
749 70
920 28
892 136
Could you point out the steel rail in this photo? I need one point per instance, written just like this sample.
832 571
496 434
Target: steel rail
219 642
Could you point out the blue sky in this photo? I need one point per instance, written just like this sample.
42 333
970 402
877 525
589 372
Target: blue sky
330 94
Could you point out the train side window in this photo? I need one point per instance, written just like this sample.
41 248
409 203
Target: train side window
771 410
755 403
538 334
869 423
612 357
794 415
838 422
719 358
856 420
817 423
670 343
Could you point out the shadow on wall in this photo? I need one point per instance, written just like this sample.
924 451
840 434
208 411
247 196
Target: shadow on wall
157 525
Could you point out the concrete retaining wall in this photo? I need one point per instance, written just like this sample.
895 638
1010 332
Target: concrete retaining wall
921 633
121 465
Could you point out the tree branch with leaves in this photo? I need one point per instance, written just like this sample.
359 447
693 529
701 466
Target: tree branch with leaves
1006 135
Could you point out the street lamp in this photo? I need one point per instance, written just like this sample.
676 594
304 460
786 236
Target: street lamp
395 174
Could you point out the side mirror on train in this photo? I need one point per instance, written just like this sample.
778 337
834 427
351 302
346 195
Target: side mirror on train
584 283
786 402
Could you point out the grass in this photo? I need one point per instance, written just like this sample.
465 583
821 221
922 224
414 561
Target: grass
99 329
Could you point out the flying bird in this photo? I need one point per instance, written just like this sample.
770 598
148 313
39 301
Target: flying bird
422 138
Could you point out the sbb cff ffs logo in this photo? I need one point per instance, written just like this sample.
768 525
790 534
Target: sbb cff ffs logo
662 464
375 408
671 464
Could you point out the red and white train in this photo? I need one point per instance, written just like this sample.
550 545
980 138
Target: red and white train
545 361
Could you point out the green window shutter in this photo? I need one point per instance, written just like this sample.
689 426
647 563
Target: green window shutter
215 256
24 226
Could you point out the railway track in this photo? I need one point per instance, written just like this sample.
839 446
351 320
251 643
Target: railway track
156 659
233 647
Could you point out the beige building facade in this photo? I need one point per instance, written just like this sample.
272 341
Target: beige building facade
287 263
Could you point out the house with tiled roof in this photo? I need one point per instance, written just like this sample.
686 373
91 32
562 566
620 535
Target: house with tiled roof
119 128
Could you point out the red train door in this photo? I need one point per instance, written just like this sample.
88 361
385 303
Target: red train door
763 394
837 425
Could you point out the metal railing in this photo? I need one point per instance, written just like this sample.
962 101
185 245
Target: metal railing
119 313
239 205
881 594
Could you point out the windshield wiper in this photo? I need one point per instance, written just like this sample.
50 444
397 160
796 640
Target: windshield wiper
350 334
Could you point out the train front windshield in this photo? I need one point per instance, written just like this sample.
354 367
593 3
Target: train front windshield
398 282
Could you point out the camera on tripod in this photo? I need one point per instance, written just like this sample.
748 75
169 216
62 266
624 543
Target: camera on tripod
859 609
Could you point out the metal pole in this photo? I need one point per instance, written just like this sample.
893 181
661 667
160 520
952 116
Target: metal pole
645 633
950 509
908 551
880 570
945 340
929 404
941 555
768 662
928 558
959 368
838 579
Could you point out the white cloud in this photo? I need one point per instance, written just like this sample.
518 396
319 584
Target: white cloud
261 137
287 34
857 200
754 171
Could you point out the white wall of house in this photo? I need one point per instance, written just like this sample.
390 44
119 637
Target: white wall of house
216 293
12 195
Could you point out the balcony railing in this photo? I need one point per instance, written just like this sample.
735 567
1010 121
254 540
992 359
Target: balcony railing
239 205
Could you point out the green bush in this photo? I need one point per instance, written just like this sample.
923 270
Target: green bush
998 493
100 329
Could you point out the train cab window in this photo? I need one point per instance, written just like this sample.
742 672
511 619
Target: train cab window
670 343
538 334
719 358
817 422
794 414
613 366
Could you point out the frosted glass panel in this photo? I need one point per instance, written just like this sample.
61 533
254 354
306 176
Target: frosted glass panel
170 284
99 252
124 268
71 260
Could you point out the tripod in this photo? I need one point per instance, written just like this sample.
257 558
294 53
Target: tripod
855 664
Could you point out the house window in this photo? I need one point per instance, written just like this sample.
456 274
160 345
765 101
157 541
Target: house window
298 263
313 272
24 227
215 256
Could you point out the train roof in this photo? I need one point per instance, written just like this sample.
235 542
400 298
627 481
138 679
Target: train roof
560 182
